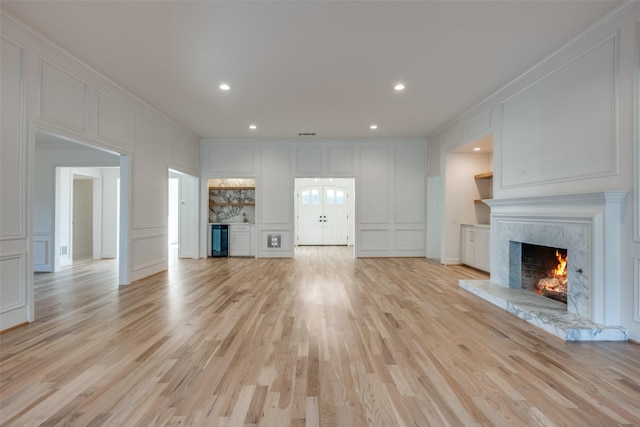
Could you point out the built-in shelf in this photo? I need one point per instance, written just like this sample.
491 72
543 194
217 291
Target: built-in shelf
232 188
478 201
486 175
231 204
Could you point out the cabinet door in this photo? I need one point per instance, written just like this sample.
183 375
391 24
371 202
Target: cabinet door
468 249
240 241
481 255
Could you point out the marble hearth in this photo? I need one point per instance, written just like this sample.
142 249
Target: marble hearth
588 226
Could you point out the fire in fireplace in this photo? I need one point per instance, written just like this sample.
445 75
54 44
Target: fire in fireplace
544 271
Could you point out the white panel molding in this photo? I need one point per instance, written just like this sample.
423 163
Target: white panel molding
410 239
340 160
42 255
149 242
18 179
66 87
111 119
309 160
373 239
636 289
286 241
408 175
149 173
636 131
478 126
13 270
178 151
225 160
614 166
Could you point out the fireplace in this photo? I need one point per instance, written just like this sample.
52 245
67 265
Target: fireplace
544 271
585 230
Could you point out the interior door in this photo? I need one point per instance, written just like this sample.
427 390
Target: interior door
310 213
323 215
335 217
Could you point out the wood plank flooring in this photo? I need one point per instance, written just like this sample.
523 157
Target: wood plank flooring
321 339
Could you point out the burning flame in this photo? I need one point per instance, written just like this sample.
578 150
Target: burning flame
560 271
556 285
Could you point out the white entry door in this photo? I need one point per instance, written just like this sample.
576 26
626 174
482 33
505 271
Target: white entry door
323 215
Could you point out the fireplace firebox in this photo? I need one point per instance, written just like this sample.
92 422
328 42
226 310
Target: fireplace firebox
544 271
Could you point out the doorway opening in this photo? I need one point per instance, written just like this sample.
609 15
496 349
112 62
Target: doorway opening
76 209
182 216
324 212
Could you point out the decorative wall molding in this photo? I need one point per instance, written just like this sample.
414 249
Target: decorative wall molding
42 252
62 97
636 131
12 266
340 160
13 172
636 289
478 126
111 119
309 160
526 111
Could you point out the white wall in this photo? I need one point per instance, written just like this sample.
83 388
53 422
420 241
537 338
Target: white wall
569 125
45 88
389 178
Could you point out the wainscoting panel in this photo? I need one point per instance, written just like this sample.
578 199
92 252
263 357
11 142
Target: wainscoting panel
373 239
410 239
636 290
42 252
12 271
149 250
63 97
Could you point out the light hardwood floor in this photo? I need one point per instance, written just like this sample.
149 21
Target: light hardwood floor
322 339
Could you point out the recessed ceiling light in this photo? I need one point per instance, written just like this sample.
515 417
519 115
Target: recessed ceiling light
476 149
399 86
253 127
224 86
373 127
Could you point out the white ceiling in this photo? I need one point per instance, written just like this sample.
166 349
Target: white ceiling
327 67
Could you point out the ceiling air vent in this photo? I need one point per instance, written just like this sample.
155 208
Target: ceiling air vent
306 134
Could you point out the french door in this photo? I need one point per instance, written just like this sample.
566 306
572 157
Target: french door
323 215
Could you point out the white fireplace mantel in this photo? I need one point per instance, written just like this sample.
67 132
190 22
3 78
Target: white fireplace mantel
590 222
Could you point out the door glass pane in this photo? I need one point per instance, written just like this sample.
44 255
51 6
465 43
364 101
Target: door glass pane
305 197
330 197
339 197
315 197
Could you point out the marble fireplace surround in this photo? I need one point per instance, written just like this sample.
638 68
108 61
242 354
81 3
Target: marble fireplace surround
588 226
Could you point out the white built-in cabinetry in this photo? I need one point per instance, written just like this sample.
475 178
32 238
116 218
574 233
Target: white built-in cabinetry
241 240
475 246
